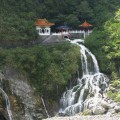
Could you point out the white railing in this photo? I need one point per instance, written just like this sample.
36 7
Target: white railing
73 31
44 33
77 31
61 33
56 34
85 33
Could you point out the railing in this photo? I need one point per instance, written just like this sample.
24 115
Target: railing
44 33
73 31
77 31
61 33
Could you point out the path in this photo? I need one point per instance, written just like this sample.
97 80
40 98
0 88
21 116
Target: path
97 117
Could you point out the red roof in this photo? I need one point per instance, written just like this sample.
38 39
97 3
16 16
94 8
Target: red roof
85 24
43 23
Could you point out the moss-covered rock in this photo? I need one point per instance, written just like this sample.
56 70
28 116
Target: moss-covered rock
87 112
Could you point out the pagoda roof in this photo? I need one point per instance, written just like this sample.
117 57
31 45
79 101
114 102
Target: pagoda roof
85 25
43 23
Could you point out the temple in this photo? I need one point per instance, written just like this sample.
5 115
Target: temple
43 27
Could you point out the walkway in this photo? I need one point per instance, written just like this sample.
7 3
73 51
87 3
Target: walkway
97 117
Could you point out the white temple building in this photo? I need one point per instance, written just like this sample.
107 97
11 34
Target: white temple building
43 27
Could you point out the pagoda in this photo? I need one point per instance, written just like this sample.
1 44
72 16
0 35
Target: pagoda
86 27
43 26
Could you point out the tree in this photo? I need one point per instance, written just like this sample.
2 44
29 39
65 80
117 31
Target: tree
84 11
72 20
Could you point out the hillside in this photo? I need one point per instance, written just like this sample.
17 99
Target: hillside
17 18
46 71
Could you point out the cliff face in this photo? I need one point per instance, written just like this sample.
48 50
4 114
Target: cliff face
25 104
38 71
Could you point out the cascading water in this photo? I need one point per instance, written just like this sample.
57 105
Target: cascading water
45 107
90 87
7 102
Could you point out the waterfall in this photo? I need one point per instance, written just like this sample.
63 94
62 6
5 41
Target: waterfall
45 107
7 102
91 86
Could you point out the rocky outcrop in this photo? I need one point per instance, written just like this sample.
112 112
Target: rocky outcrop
102 106
52 39
25 105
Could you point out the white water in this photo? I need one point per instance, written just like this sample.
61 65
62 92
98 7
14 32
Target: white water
92 85
7 104
45 107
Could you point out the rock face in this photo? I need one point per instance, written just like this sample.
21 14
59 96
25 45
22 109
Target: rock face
25 94
25 105
99 110
103 106
117 107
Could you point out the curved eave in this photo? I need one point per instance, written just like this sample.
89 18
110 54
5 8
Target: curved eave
85 25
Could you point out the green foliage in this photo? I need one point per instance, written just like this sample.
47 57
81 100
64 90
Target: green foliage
111 95
17 18
114 92
105 44
113 29
48 67
84 11
96 42
72 20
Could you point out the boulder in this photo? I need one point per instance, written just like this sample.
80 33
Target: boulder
110 111
113 104
98 110
117 107
105 104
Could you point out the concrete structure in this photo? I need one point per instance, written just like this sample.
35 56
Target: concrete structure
68 33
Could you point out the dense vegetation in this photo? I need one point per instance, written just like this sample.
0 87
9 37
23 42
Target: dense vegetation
48 68
17 18
53 65
105 43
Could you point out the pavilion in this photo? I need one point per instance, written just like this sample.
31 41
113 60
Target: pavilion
85 26
43 26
